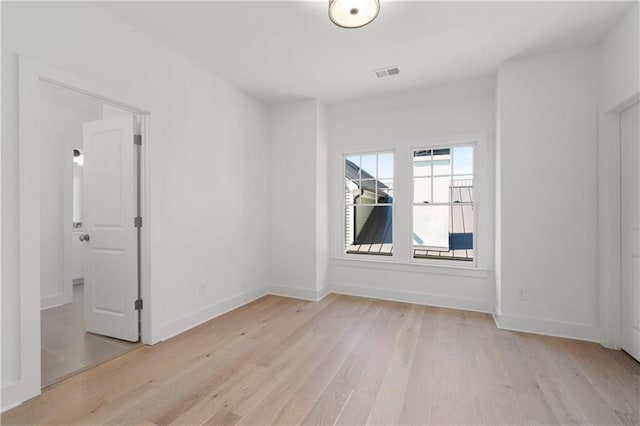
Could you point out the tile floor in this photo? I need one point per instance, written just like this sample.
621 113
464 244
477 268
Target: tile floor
67 348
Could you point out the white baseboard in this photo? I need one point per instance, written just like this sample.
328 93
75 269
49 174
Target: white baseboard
52 301
180 325
299 293
11 396
467 304
546 327
324 291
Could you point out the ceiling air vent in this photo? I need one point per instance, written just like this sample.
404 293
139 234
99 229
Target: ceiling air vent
386 72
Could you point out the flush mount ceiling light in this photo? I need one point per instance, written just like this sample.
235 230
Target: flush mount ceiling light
353 13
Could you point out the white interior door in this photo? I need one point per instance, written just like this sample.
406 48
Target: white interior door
630 230
109 207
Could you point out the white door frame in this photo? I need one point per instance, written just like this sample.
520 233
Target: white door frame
609 223
31 73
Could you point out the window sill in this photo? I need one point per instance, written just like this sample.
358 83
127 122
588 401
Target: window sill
389 265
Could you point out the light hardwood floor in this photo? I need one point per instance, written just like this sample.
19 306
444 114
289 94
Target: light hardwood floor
349 360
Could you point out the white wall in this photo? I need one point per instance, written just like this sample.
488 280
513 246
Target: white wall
402 121
548 203
208 144
620 62
322 200
110 111
619 85
497 301
62 115
297 190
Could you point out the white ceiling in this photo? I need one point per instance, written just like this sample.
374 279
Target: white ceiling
280 51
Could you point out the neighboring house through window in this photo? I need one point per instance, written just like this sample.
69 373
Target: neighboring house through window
443 203
368 208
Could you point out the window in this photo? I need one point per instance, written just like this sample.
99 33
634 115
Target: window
443 203
368 207
421 209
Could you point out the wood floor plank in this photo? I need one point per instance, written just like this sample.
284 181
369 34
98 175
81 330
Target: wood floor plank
389 400
356 410
225 362
299 393
223 418
522 367
425 396
334 397
121 404
592 405
612 381
348 360
252 388
314 341
218 399
299 405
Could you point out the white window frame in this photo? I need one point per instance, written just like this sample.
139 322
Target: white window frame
392 258
444 262
401 260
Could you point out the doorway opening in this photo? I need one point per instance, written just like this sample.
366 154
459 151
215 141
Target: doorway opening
90 247
630 230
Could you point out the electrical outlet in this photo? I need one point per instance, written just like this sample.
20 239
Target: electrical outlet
202 289
522 293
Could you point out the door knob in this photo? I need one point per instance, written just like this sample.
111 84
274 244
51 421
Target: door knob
84 237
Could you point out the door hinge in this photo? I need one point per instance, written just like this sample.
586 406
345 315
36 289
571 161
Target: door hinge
138 305
137 139
137 222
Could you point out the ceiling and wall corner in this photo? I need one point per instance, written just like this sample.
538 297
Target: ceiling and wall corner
289 50
620 66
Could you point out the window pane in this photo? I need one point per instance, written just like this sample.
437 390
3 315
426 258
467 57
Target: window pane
461 238
367 225
352 167
441 161
431 227
441 189
422 190
385 191
385 166
360 216
444 231
462 219
355 159
368 230
368 191
369 167
462 191
351 191
422 163
463 160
